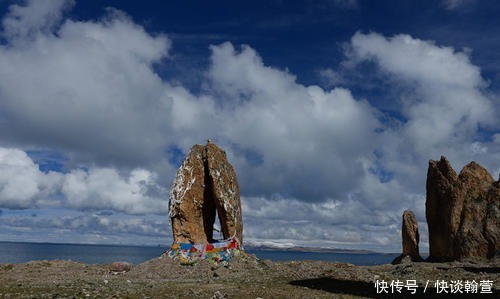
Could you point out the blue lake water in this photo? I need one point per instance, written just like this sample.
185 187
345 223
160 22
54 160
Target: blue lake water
13 252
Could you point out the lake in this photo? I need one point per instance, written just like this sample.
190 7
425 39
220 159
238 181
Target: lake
17 252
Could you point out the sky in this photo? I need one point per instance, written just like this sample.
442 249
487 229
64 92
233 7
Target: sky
328 110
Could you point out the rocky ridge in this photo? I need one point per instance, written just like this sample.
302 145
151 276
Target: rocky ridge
462 212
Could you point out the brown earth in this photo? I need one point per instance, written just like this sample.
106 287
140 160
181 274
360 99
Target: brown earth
247 277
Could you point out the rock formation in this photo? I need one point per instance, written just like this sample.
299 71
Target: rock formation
205 186
462 212
411 237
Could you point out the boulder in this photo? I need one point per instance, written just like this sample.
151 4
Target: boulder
461 211
205 186
120 267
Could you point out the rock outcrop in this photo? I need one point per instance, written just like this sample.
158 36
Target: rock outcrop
410 237
462 212
205 186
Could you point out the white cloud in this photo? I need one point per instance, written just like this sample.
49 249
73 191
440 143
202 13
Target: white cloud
21 183
33 18
442 99
104 188
302 133
87 88
417 60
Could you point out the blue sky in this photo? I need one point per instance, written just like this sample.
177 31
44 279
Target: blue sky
328 110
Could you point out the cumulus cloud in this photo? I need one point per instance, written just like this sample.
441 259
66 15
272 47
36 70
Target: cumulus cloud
90 89
442 99
23 185
104 188
33 18
444 106
303 136
84 87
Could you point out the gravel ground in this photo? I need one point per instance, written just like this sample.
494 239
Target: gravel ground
246 277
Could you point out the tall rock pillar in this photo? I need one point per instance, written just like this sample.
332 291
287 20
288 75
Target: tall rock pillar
205 186
410 239
410 236
462 212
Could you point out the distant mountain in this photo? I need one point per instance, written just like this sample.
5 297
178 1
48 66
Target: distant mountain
269 246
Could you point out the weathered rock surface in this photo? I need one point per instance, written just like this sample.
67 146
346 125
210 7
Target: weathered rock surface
225 191
187 199
410 236
205 186
462 212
